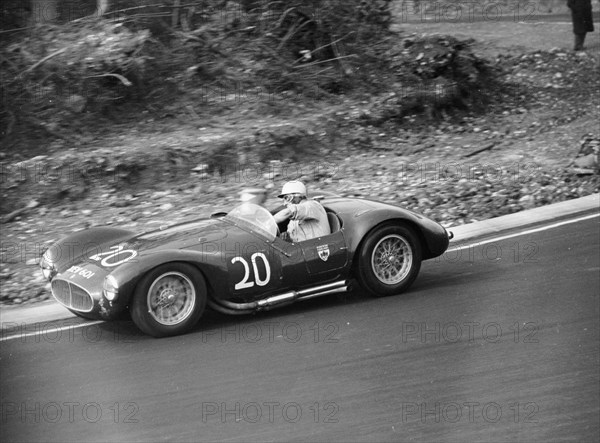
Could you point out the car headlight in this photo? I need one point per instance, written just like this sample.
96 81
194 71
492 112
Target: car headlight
48 269
110 288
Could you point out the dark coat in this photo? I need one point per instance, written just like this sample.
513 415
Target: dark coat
581 13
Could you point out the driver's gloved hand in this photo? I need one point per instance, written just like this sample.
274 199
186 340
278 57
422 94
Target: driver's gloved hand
285 236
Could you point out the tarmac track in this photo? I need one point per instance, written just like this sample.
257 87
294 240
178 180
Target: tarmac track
495 342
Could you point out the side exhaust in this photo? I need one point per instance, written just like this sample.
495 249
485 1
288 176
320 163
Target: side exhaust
276 301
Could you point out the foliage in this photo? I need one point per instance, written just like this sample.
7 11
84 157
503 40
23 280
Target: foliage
60 69
156 51
152 55
316 44
433 74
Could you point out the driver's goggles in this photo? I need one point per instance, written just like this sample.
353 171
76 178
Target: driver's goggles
289 197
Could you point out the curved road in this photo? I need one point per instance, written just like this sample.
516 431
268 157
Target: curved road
495 342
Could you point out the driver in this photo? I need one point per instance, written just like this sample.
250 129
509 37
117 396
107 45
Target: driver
307 218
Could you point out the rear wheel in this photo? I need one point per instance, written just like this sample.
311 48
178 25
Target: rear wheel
389 260
169 300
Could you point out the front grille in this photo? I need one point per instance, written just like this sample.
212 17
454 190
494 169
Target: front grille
72 296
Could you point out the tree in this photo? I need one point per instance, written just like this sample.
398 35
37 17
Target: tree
102 6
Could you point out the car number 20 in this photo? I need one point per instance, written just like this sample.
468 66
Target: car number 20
258 279
118 252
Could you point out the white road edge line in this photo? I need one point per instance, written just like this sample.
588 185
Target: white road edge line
456 248
49 331
517 234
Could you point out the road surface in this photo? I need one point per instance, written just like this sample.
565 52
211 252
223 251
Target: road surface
494 342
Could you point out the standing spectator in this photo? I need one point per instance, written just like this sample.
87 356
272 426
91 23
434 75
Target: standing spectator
581 14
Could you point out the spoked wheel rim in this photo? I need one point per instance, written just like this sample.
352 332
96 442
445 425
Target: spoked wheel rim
392 259
171 298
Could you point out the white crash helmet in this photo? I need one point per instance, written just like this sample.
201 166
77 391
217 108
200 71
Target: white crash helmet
293 187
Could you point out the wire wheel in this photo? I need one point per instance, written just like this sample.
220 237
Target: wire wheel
389 259
171 298
392 259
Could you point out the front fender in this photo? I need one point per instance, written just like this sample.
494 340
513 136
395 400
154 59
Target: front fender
129 274
82 244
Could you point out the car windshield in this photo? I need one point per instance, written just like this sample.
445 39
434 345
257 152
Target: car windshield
255 218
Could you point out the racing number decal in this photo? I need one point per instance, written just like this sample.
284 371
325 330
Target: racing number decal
245 282
116 251
260 282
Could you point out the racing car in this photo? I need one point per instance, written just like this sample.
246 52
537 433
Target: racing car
237 263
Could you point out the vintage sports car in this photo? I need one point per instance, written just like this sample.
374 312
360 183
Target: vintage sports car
236 263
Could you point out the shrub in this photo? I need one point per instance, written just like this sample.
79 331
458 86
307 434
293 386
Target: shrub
90 64
59 69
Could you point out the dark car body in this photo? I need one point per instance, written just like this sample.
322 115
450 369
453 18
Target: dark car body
246 267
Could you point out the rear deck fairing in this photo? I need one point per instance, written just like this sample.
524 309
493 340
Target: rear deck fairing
359 216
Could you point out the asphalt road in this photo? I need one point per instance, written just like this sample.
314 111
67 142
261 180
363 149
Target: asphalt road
498 342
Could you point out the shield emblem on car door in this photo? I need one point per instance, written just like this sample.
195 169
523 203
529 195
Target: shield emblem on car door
326 253
323 251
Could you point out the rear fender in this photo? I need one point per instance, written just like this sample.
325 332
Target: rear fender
433 236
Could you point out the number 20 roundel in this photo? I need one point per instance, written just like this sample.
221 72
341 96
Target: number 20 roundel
254 273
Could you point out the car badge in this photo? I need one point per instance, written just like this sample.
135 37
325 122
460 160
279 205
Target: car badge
323 251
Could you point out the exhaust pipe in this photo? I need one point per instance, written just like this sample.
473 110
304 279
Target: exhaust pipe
304 294
281 299
225 310
277 300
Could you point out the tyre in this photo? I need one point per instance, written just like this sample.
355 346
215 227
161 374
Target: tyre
169 300
389 260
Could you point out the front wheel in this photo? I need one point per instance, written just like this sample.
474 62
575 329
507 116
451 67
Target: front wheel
81 314
169 300
389 260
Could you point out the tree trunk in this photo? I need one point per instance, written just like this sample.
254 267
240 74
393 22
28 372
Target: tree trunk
175 16
101 7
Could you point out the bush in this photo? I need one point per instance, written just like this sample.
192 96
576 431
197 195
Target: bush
433 74
90 64
308 44
56 70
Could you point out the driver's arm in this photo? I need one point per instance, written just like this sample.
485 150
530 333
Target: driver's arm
283 215
277 209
